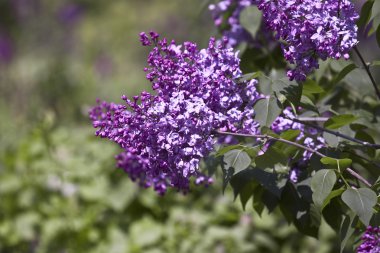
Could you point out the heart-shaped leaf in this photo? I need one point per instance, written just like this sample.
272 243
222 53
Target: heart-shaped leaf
322 184
361 201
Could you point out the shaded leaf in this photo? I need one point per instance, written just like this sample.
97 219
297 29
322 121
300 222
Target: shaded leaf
227 175
257 203
332 213
332 195
250 19
339 121
345 71
270 181
311 87
300 212
365 13
347 229
273 158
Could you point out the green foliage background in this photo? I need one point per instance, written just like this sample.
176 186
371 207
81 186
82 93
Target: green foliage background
59 189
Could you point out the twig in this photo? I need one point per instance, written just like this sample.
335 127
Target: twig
356 175
269 137
316 119
365 65
364 143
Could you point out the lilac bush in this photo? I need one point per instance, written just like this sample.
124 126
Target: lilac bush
202 100
164 135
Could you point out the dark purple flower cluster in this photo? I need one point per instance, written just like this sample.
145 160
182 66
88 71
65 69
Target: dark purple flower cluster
310 137
311 30
230 24
165 135
370 241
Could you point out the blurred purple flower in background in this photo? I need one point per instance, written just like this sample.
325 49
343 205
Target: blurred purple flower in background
231 27
70 13
6 48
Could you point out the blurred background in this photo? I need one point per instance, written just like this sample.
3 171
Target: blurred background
59 188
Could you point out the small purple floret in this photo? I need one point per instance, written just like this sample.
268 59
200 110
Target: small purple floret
370 241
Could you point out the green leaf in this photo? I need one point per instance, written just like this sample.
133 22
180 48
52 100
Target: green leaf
270 181
322 184
275 86
250 19
332 213
273 158
307 103
361 201
339 121
311 87
227 175
289 89
333 140
300 212
376 63
332 195
243 185
345 71
246 193
365 13
378 35
347 229
286 149
225 149
236 159
339 164
257 203
250 76
267 110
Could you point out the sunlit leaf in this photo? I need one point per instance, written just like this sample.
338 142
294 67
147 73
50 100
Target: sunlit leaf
361 201
322 184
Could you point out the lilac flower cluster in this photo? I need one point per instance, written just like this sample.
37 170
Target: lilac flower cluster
309 136
231 27
370 241
165 135
311 30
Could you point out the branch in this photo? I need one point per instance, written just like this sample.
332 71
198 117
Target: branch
364 143
356 175
317 119
365 65
269 137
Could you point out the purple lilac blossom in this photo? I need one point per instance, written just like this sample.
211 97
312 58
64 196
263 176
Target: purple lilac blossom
311 30
231 27
164 136
370 241
310 138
